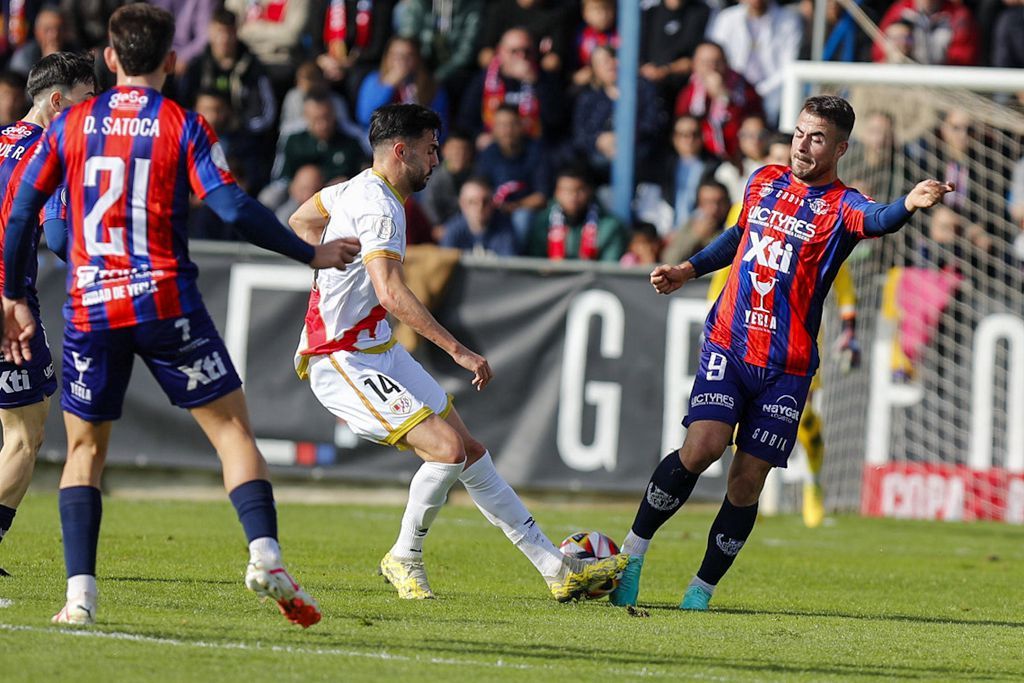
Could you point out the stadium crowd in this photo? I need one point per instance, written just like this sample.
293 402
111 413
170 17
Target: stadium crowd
526 90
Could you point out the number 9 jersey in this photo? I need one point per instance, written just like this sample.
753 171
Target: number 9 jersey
131 158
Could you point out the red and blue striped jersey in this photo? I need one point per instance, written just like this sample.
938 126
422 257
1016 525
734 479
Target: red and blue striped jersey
794 240
130 158
17 142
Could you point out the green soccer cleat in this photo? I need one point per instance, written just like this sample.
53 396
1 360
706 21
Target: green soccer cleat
695 599
629 585
579 585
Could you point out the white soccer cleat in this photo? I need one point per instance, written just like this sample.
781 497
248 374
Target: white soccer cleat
78 612
276 583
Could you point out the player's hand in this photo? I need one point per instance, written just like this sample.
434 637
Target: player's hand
927 194
335 254
476 364
667 279
19 328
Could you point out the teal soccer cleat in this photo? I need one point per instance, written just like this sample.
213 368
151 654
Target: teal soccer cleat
695 599
629 585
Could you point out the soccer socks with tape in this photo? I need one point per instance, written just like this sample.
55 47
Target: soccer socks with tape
729 532
427 493
502 507
809 436
254 504
6 520
670 486
81 509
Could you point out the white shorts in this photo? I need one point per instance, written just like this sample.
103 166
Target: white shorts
380 395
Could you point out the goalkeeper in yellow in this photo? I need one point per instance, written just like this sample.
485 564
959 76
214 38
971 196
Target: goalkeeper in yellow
809 433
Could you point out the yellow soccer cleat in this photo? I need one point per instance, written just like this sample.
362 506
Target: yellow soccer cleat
814 505
408 577
590 579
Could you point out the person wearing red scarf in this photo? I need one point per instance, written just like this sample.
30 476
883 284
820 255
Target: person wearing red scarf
575 226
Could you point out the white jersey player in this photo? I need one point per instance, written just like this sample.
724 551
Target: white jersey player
358 373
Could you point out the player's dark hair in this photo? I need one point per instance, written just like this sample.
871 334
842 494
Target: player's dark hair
224 17
835 110
60 70
141 35
401 122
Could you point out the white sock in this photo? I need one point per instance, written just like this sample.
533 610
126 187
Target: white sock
634 545
266 550
709 588
427 493
79 584
502 507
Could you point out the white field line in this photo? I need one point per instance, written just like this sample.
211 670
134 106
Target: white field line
4 602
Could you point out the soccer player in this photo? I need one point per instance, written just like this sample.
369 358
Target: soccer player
57 82
130 158
357 372
798 224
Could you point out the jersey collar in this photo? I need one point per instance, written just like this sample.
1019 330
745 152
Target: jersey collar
398 195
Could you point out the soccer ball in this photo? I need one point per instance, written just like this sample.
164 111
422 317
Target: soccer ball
592 545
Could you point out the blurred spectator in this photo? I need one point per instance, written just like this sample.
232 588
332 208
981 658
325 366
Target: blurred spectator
844 41
670 32
899 45
593 137
13 102
720 98
779 150
944 31
418 229
548 21
1016 198
478 227
349 37
447 31
761 39
191 27
48 36
16 20
273 29
575 226
86 20
403 78
322 144
598 30
953 241
1008 38
440 198
307 182
686 169
518 170
754 136
644 246
868 164
215 107
308 79
512 77
703 226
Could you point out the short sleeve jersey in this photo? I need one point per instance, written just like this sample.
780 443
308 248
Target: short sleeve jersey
795 238
130 159
17 144
344 313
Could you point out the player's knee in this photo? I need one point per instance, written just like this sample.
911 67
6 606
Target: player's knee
449 448
474 449
698 454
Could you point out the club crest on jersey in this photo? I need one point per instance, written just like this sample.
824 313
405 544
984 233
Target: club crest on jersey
765 190
402 406
818 205
133 100
385 227
17 132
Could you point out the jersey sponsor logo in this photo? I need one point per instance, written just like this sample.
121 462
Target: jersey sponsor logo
661 500
712 399
729 546
385 228
218 157
204 371
136 128
14 381
770 439
764 217
760 317
87 275
78 388
18 132
770 252
784 409
133 100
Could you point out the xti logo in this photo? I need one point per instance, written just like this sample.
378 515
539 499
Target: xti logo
203 371
14 381
769 252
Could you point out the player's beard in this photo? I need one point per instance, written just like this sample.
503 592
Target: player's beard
808 172
420 182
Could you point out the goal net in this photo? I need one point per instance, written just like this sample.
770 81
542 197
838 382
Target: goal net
932 425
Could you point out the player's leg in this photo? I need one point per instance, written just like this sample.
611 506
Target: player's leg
566 578
23 435
809 436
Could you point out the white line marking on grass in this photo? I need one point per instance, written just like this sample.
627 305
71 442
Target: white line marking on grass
383 655
4 602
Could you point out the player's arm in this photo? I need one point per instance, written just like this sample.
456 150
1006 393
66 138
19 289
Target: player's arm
388 278
260 227
310 219
717 255
883 219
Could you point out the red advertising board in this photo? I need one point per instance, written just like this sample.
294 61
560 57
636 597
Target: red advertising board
942 492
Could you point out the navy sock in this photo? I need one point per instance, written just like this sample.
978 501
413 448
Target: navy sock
254 503
81 508
6 519
728 533
670 486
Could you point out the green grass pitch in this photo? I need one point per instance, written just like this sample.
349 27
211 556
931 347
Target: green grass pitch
871 600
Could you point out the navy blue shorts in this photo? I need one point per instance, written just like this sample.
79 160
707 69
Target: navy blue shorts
186 356
31 382
766 404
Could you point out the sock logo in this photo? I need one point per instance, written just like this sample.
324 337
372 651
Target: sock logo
729 546
661 500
